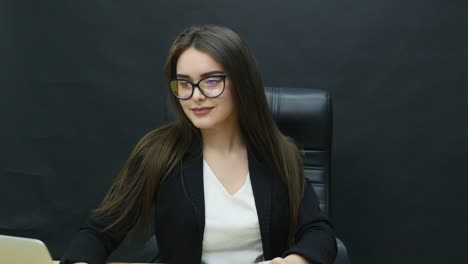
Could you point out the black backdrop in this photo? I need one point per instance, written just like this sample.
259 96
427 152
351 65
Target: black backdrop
82 82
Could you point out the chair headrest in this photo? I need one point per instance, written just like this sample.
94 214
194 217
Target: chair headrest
303 114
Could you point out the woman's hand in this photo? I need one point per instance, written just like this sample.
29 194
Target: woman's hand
290 259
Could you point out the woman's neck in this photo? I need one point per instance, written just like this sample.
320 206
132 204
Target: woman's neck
223 141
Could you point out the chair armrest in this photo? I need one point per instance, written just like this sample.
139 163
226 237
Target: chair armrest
342 256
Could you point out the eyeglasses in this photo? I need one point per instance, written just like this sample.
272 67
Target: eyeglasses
211 86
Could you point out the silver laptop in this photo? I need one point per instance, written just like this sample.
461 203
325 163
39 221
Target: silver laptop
19 250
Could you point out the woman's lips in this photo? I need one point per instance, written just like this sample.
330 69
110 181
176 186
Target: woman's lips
202 110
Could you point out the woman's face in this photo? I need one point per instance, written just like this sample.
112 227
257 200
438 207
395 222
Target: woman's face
204 112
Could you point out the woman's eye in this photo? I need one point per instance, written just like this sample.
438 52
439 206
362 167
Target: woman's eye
212 81
183 84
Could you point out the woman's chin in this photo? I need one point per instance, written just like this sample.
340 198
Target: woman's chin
202 124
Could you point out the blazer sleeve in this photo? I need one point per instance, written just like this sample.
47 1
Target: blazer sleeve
91 244
314 237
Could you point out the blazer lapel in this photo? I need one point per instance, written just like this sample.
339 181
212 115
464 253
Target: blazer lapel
192 181
261 179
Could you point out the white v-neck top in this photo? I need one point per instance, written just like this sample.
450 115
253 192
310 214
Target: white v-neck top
232 231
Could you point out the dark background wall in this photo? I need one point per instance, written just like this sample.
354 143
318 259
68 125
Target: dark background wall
82 82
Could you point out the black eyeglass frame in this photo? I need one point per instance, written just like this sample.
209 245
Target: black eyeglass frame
197 85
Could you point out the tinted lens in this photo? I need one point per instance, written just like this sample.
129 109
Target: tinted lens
181 89
212 86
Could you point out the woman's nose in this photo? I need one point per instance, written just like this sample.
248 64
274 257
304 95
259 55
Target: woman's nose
197 95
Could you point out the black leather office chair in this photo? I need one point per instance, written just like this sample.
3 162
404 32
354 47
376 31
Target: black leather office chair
306 116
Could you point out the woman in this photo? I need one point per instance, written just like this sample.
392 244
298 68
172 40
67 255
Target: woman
225 185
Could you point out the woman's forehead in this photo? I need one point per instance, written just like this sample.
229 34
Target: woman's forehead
196 64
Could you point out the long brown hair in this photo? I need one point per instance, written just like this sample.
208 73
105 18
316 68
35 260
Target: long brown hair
155 156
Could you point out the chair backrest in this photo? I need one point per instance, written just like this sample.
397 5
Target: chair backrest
306 116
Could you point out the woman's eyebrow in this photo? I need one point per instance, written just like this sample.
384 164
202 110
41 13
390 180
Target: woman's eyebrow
185 76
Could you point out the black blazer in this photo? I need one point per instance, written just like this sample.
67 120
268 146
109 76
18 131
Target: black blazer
180 218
